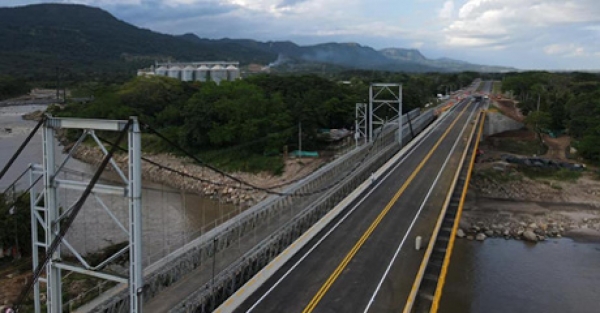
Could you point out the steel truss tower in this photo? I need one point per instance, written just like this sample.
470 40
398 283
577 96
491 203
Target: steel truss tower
47 214
385 104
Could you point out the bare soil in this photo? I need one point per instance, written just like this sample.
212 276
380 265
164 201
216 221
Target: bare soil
557 147
510 108
504 202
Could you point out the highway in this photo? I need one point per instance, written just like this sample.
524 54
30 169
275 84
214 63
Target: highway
365 260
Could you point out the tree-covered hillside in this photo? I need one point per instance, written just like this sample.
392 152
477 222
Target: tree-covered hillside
250 119
89 42
567 102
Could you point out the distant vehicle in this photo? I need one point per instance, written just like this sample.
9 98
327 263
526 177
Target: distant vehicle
486 97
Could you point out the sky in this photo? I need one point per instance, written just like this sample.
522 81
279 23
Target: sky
526 34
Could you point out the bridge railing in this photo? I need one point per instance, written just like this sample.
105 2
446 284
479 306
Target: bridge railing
289 216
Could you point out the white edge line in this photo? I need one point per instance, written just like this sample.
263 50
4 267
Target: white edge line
261 277
389 267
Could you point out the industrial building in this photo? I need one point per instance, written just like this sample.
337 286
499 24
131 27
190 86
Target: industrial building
195 71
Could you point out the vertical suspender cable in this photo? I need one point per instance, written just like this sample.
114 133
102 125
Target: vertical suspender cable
69 220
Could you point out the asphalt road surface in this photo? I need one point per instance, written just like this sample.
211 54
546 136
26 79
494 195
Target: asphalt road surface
365 259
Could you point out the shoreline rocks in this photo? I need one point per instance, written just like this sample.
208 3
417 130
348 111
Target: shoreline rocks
525 229
221 190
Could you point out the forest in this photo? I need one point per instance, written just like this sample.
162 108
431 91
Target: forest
12 87
245 124
568 103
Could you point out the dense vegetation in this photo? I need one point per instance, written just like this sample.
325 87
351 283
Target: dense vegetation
567 102
89 42
15 224
245 124
82 42
12 87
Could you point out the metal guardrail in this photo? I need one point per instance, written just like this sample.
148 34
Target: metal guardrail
206 299
174 266
427 288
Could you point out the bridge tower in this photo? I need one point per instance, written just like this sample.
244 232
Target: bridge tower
48 216
385 105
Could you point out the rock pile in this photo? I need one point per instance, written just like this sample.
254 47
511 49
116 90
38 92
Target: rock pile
213 185
532 232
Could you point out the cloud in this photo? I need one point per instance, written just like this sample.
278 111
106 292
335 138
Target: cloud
447 11
571 50
289 3
521 33
417 44
496 22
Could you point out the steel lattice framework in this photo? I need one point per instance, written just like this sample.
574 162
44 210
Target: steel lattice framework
385 104
47 214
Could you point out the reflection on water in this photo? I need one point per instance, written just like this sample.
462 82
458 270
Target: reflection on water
171 217
511 276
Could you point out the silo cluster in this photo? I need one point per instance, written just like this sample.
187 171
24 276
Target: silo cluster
200 71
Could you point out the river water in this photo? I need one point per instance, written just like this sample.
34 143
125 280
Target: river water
555 276
171 217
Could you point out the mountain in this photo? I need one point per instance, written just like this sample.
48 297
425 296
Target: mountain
89 42
410 55
78 38
356 56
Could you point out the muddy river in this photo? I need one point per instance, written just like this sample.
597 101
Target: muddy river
171 217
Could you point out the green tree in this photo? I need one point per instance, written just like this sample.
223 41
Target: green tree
15 223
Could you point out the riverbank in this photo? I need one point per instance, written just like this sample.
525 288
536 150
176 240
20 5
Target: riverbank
210 183
504 201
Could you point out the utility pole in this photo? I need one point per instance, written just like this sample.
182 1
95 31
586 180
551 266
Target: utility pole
538 113
299 139
57 84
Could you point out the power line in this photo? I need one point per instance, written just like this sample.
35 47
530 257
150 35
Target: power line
68 221
23 145
238 180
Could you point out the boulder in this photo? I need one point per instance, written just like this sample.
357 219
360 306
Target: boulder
530 236
489 233
480 237
460 233
533 226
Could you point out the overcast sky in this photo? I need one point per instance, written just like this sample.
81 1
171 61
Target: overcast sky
527 34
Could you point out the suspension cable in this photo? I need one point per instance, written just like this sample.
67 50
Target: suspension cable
23 145
69 220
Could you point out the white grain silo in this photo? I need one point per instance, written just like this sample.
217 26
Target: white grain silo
161 71
218 73
233 73
175 72
202 73
187 75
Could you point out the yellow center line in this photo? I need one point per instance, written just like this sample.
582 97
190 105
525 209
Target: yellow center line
336 273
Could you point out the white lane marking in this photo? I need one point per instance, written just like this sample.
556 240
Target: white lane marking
389 267
404 158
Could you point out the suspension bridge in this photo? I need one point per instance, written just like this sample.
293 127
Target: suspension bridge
340 239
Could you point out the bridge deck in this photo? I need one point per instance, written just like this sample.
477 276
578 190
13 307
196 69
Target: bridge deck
369 261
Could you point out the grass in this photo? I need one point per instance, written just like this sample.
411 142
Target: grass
551 174
493 109
497 88
480 87
516 146
497 176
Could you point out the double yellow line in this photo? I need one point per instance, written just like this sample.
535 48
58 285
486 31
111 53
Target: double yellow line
336 273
